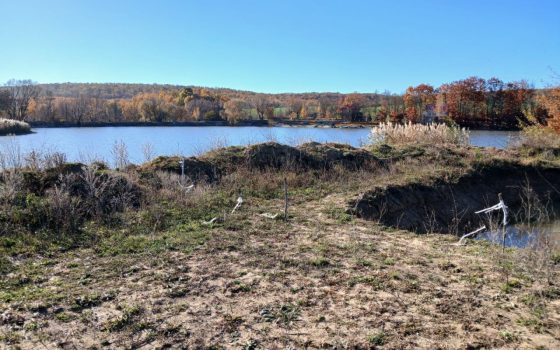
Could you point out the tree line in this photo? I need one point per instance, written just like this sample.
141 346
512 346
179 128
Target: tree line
472 102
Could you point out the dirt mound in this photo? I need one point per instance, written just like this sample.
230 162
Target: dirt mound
330 154
212 165
276 156
195 168
448 207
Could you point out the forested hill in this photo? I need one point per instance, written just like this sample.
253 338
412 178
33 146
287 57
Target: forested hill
103 90
473 102
126 90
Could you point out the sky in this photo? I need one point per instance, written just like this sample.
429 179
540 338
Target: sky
282 45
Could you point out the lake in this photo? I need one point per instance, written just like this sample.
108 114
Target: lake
87 143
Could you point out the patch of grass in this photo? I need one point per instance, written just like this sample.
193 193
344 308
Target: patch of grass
372 281
339 214
389 261
320 261
10 337
508 336
534 323
240 287
377 339
120 244
363 262
285 314
511 285
65 317
129 314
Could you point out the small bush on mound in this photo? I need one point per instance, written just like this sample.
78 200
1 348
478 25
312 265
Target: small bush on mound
438 134
539 137
13 127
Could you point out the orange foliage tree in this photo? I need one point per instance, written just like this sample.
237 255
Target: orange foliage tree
550 100
350 107
417 100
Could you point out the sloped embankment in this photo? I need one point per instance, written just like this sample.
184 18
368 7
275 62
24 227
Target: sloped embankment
272 155
449 206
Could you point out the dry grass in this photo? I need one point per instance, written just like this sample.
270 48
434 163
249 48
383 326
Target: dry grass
539 137
13 127
433 134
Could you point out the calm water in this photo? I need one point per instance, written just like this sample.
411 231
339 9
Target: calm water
84 144
521 236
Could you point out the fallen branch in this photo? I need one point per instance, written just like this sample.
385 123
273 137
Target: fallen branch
210 222
239 202
500 206
470 234
270 216
503 207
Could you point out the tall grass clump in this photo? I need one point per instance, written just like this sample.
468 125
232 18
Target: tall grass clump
438 134
539 137
13 127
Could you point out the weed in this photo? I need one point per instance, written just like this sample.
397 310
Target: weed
320 261
508 336
129 313
377 338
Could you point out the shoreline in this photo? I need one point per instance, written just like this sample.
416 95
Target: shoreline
248 123
254 123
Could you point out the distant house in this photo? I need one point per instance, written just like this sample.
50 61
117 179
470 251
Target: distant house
429 115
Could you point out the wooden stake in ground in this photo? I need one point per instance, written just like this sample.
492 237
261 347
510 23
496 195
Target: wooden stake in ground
285 199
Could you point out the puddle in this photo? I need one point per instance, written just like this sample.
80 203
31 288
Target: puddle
521 236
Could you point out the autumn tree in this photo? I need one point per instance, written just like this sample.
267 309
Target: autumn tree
234 109
350 107
417 100
550 100
326 107
44 108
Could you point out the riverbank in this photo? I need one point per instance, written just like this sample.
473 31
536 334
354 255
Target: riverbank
264 123
151 261
317 123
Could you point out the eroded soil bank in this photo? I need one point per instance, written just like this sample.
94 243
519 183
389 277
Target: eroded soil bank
448 206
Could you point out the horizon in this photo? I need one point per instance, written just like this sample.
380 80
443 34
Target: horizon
250 91
292 47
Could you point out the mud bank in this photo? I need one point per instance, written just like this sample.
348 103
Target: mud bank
449 206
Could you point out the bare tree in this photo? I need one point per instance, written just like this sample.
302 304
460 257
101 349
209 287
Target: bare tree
21 92
234 109
260 103
295 106
78 108
4 100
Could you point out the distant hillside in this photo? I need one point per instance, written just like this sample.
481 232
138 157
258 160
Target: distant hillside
127 91
473 102
103 90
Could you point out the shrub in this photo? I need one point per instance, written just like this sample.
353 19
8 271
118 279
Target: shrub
13 127
539 137
438 134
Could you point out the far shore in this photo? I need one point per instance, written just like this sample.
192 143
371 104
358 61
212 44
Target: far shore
255 123
244 123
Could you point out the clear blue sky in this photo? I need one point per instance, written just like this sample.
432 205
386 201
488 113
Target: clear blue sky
282 45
